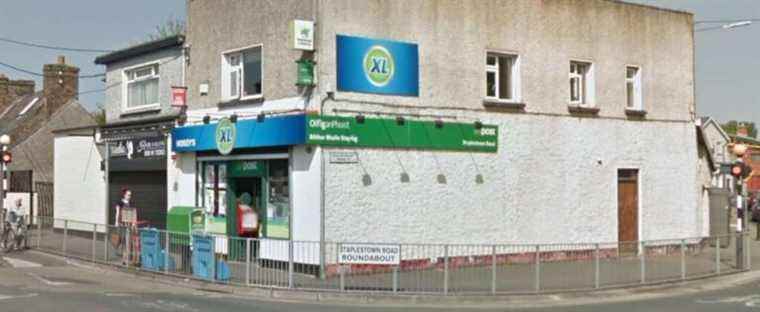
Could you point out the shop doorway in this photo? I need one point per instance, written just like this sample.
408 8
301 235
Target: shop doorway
247 191
628 210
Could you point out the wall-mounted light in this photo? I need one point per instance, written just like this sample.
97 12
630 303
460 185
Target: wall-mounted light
438 123
360 119
234 118
206 119
400 120
260 117
478 125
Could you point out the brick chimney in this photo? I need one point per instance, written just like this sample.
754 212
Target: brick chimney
60 85
10 90
741 130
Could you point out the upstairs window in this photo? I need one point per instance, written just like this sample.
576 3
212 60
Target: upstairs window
242 74
633 88
581 84
502 77
141 87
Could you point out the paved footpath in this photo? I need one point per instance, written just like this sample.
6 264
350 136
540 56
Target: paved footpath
33 281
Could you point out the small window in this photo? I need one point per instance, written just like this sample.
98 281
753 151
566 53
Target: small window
502 77
581 83
242 74
633 88
142 87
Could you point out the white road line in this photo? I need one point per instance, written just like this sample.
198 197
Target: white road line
46 281
7 297
19 264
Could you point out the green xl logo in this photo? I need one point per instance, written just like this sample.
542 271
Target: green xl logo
225 136
379 66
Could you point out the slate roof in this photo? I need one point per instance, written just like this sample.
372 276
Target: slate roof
140 49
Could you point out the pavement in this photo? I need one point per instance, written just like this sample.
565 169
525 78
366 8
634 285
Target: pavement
34 281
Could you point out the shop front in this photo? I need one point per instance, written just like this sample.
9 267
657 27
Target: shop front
136 160
243 179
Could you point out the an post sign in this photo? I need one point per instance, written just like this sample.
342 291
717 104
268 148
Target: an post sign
225 136
369 254
342 131
415 134
377 66
302 35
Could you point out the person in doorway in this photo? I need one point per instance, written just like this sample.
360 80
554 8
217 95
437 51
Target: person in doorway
248 223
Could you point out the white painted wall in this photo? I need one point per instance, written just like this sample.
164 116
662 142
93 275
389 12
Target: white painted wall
180 178
553 180
305 179
80 188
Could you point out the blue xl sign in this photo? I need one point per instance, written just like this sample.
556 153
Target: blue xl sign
377 66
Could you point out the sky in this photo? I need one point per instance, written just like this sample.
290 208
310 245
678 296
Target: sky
726 72
91 24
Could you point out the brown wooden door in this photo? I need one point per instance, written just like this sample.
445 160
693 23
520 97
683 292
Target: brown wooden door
628 208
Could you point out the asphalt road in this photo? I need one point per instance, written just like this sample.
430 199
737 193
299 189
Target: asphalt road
35 282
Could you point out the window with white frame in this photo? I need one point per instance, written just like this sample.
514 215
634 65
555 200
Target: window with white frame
581 83
242 74
502 77
141 86
633 88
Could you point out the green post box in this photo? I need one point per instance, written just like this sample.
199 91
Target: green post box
305 73
181 221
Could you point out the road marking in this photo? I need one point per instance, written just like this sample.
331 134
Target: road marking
20 264
750 301
47 281
7 297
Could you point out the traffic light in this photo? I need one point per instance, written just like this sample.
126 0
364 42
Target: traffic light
7 157
740 170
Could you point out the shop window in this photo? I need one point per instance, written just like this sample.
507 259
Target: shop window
214 188
278 203
242 74
141 87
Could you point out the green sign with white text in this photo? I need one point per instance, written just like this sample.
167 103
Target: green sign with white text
390 133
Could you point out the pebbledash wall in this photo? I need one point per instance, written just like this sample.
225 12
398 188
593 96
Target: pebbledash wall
554 178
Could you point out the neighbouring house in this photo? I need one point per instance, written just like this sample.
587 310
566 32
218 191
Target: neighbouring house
30 117
715 184
718 143
139 116
431 122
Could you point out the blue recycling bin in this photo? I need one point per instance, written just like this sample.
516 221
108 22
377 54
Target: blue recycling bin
203 256
151 255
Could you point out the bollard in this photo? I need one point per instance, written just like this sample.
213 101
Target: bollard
597 270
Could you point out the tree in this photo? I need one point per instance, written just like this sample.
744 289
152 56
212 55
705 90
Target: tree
99 115
731 127
172 27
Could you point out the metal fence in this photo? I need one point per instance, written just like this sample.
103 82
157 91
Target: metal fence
421 269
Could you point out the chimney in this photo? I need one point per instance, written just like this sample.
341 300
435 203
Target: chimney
10 90
741 130
60 84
